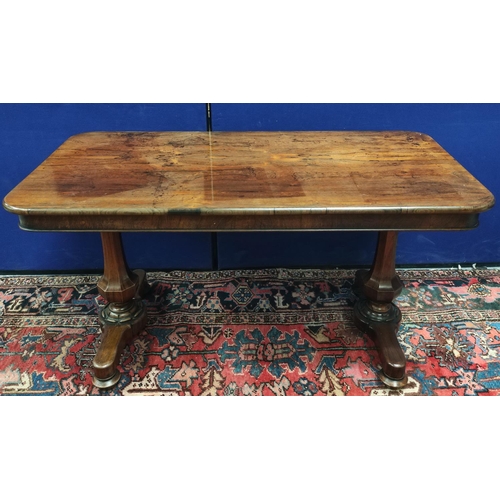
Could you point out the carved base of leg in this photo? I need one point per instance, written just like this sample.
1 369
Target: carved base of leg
124 316
105 361
382 321
120 323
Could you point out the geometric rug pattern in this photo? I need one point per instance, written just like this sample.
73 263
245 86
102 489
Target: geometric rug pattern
267 332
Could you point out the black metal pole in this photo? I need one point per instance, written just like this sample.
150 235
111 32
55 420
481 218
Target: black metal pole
209 117
215 246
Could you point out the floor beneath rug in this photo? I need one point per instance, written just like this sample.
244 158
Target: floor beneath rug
253 332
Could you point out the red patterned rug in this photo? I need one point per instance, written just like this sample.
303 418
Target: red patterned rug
253 333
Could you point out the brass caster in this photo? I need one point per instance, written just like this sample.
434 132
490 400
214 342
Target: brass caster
107 383
391 382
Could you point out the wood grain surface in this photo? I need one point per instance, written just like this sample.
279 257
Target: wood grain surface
249 181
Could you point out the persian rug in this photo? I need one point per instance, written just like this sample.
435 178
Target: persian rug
282 332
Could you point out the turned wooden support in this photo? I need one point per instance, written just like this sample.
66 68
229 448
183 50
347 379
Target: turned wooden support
117 284
375 312
124 316
381 284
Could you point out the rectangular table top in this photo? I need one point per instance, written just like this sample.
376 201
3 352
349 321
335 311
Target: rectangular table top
144 181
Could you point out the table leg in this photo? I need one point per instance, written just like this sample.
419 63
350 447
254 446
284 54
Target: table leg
374 312
125 314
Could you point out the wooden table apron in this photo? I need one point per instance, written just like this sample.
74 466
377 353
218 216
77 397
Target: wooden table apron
111 182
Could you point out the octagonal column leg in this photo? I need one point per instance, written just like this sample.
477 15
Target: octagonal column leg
375 313
124 316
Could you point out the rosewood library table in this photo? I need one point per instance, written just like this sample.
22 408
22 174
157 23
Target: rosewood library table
110 182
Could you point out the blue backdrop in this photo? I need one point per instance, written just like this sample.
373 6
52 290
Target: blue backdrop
30 132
